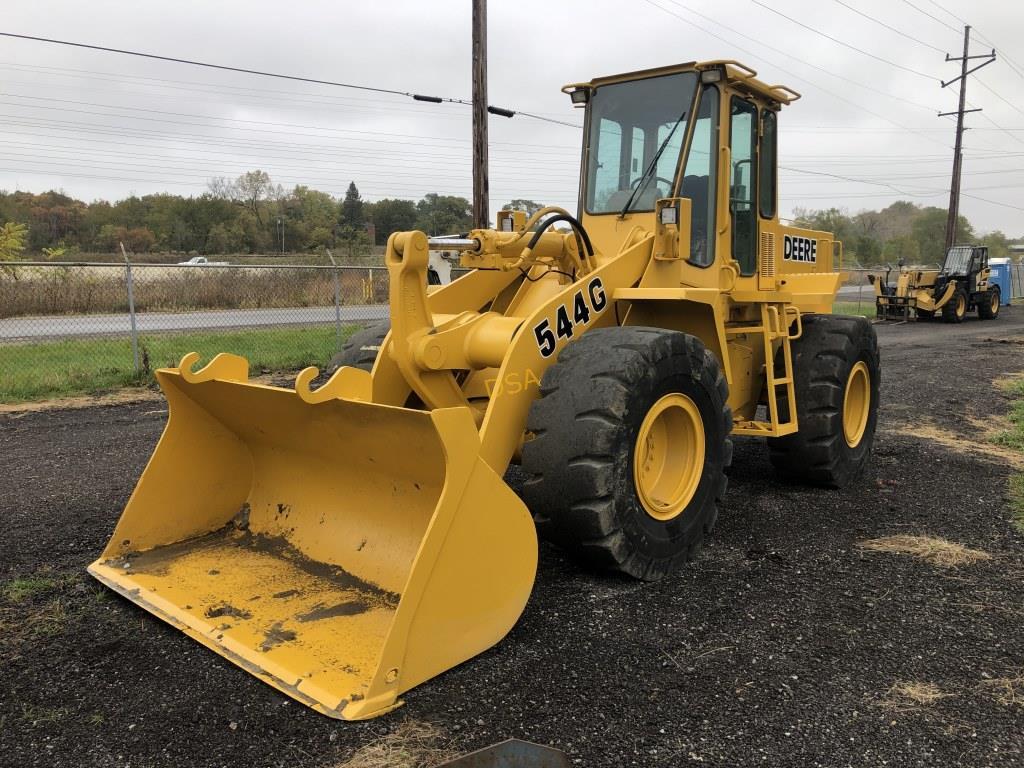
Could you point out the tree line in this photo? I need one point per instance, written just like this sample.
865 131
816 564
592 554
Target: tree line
914 233
251 214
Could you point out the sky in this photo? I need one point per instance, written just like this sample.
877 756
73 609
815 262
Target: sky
101 125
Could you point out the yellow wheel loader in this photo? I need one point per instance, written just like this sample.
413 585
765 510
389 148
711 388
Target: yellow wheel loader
961 285
346 543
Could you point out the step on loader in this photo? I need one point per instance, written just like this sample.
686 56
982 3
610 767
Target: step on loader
961 285
347 542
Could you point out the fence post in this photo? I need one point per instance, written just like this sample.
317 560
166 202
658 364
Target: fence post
131 307
337 302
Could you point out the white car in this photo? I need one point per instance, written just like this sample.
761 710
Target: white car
202 261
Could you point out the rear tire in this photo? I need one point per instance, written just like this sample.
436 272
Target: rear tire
955 310
830 449
989 303
362 348
597 431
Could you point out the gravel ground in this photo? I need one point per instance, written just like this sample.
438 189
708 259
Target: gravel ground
779 647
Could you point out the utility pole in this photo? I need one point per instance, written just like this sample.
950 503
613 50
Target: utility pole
954 186
481 183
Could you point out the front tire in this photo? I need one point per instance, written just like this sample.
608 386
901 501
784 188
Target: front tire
988 304
836 373
955 310
361 348
630 441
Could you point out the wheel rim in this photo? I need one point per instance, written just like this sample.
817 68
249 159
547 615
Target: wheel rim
995 302
961 305
856 404
668 458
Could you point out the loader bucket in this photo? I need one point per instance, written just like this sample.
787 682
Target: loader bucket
342 551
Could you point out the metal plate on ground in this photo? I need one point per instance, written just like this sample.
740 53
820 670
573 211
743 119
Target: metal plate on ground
511 754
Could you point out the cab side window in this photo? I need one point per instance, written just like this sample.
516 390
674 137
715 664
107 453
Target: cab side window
743 183
700 179
766 196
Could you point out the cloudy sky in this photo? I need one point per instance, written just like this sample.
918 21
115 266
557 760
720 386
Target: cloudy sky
100 125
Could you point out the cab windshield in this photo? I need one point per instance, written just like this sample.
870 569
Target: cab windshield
958 260
629 123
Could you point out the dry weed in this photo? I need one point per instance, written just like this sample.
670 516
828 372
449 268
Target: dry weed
906 695
412 745
947 554
1007 690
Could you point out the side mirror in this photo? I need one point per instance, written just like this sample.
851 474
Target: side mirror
672 228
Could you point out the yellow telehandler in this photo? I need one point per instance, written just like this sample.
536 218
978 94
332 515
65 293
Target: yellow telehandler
346 543
963 283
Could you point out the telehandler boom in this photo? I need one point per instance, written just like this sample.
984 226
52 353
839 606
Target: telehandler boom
349 542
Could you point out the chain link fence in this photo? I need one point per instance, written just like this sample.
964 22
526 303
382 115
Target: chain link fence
71 328
68 328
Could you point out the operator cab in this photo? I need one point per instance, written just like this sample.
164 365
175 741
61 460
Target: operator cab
964 260
706 132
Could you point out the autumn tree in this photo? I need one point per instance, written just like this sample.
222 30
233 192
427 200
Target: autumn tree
252 190
12 240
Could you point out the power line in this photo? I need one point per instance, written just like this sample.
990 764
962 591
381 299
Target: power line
77 128
900 99
850 178
889 27
1014 66
932 16
947 12
222 67
855 105
65 110
257 122
999 96
842 43
260 73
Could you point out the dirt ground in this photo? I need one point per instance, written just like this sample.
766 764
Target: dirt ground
787 644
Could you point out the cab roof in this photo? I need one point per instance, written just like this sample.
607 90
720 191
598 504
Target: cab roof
736 74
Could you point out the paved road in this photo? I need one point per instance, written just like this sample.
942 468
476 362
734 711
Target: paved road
70 326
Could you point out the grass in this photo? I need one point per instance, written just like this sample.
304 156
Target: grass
43 604
947 554
27 587
411 745
34 716
1013 438
864 309
88 366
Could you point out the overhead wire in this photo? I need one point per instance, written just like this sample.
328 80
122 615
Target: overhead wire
836 40
901 99
832 94
256 122
932 16
262 73
899 32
